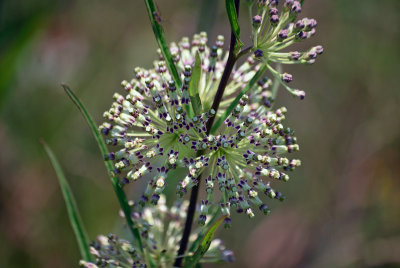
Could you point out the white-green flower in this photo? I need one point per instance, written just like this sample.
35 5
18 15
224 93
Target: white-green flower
161 229
275 31
154 129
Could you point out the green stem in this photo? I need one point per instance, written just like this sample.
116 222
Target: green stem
162 44
217 99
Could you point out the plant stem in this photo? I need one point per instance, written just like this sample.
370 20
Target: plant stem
195 190
162 43
244 51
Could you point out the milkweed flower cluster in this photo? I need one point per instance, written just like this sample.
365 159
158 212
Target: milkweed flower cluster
154 131
111 251
274 31
161 229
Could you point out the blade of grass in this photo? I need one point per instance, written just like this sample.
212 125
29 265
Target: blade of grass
232 106
72 208
123 201
205 244
233 19
162 44
194 86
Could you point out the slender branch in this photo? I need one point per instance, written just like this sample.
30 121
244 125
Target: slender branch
162 43
195 190
244 51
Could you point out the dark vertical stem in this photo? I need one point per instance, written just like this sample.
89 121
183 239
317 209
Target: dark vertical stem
195 190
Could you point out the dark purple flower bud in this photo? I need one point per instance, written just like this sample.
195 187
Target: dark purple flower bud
227 222
299 25
264 208
279 196
256 21
258 53
295 55
274 19
289 2
105 131
110 156
312 54
296 7
273 2
310 24
319 50
202 219
301 35
123 182
300 93
283 34
155 198
273 11
287 77
227 256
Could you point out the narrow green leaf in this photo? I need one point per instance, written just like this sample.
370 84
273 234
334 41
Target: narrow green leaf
72 208
233 19
235 102
123 201
200 237
162 44
194 86
205 244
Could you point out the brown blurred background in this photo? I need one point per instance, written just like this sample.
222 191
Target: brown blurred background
343 205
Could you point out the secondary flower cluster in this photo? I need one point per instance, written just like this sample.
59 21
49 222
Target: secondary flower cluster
274 31
110 251
161 229
154 130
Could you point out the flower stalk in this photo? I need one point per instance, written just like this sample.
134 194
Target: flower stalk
232 57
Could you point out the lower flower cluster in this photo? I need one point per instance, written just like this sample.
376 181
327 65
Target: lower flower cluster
161 229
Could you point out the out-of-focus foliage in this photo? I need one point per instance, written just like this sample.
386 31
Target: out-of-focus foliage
342 208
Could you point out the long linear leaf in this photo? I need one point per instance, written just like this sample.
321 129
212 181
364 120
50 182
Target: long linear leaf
205 244
235 102
72 208
194 86
162 44
233 19
200 236
123 201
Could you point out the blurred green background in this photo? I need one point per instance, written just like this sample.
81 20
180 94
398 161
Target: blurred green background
343 205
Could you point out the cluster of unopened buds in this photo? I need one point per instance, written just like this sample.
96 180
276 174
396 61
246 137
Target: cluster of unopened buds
160 228
274 31
153 131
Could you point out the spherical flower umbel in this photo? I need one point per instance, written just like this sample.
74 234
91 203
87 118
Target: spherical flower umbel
154 129
276 31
